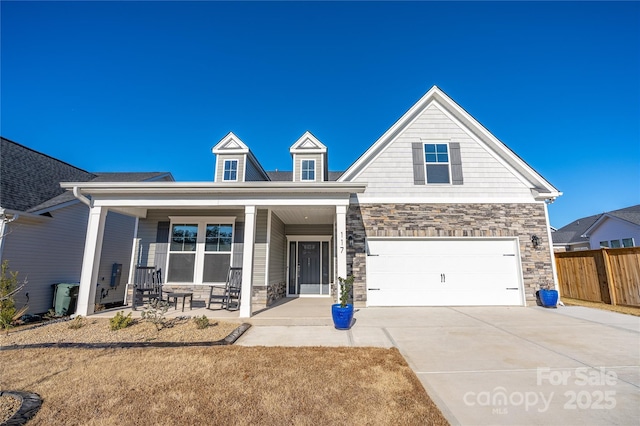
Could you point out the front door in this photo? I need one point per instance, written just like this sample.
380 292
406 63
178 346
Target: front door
308 268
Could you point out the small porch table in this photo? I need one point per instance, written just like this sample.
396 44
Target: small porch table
183 295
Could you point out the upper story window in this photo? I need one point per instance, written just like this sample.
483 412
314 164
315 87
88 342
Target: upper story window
308 171
230 170
627 242
437 162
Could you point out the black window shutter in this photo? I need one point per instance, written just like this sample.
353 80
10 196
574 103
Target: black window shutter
418 163
162 244
456 163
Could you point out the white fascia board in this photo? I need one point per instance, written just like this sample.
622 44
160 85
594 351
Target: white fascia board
120 203
359 199
356 168
56 207
319 146
466 121
23 215
212 188
219 147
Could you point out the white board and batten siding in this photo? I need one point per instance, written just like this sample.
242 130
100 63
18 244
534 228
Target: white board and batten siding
390 174
443 272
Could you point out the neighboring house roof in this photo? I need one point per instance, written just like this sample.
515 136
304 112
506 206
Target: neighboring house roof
578 231
287 176
540 187
30 180
573 232
628 214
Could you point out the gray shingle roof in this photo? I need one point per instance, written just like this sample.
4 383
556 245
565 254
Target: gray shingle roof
572 233
630 214
30 180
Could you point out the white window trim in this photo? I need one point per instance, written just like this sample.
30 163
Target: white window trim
315 172
224 168
448 163
201 222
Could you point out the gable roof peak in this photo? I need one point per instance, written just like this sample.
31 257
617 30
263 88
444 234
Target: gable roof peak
230 144
307 143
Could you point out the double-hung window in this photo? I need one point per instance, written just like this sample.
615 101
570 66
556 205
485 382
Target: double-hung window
230 171
200 249
308 170
437 162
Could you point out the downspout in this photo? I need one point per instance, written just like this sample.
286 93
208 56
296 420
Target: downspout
80 196
4 220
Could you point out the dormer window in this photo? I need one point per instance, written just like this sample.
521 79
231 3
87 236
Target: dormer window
230 171
308 170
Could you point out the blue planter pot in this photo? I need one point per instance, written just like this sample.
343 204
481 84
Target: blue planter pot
342 316
549 298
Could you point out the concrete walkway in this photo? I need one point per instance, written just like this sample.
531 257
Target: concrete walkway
491 365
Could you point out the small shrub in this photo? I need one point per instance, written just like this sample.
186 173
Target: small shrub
201 322
154 312
120 321
9 287
77 323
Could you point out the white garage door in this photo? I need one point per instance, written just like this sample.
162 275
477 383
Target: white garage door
443 272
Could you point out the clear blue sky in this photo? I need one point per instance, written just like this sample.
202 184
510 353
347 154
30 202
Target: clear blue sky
152 86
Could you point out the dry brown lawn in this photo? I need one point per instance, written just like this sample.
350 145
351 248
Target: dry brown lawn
217 385
630 310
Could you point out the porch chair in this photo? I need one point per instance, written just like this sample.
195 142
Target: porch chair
228 296
147 284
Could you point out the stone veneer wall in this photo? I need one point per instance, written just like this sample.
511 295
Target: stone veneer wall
452 220
263 296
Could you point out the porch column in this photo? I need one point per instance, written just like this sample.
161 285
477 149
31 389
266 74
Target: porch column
341 239
91 260
247 261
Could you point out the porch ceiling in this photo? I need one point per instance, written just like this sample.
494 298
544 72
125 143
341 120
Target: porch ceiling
312 215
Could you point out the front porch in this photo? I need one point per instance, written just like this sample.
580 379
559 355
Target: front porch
302 311
288 240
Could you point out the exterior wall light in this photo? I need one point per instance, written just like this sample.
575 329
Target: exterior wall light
350 240
535 241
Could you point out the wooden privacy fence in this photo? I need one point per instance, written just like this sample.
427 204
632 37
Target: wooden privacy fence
607 275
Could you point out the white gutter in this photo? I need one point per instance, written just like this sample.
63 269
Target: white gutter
79 196
209 187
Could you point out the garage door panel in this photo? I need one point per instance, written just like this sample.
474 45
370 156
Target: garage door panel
443 273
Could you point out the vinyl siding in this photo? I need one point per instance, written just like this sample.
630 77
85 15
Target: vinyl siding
391 173
297 169
220 165
260 248
308 229
148 228
253 173
51 251
277 251
116 248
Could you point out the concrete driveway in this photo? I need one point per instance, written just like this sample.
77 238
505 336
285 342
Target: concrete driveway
498 365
